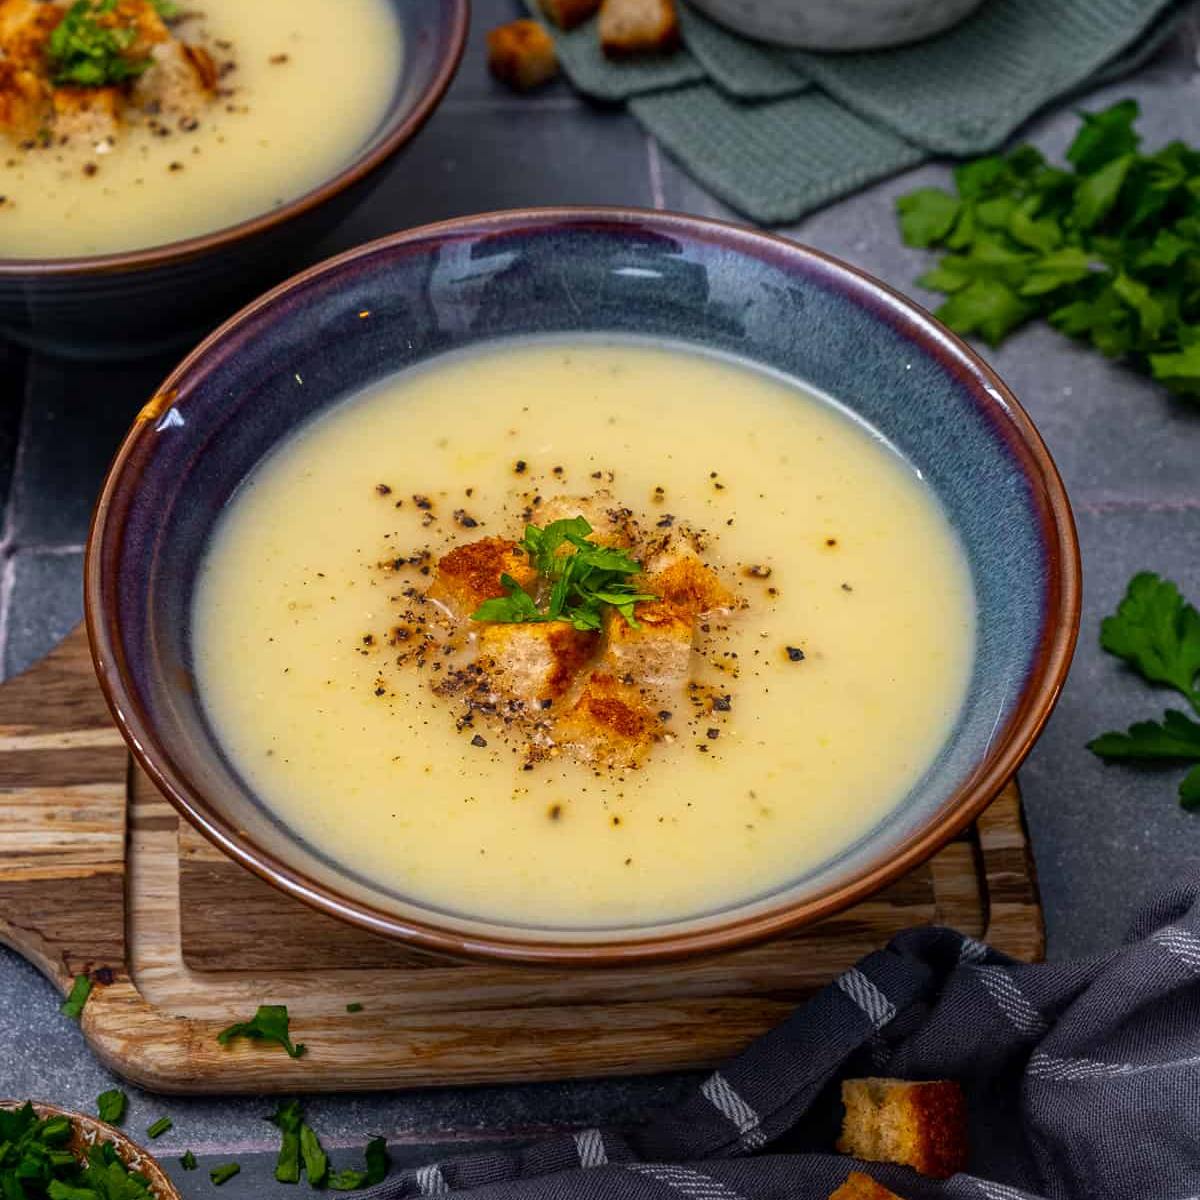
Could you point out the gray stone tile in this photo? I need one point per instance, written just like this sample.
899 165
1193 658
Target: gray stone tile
12 403
472 161
1106 838
75 419
45 602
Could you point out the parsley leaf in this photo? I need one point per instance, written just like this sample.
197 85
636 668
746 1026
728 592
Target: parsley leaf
1157 632
301 1150
72 1006
1108 250
160 1127
270 1024
288 1119
187 1160
110 1106
88 49
224 1173
582 578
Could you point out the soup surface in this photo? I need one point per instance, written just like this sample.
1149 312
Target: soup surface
301 90
825 693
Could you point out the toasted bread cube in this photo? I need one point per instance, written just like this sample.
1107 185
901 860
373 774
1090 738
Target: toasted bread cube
179 84
90 115
143 19
612 525
25 105
862 1187
655 656
534 662
522 54
629 27
470 574
677 576
919 1125
25 28
566 14
609 725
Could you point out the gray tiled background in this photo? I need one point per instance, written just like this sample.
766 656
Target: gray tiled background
1104 838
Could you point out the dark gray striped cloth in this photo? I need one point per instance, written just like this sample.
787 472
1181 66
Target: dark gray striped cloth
1082 1083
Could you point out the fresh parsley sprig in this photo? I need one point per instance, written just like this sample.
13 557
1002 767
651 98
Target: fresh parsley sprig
301 1152
269 1024
35 1163
88 51
1107 250
583 578
1157 632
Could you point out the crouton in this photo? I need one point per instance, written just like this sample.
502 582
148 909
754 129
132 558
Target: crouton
25 106
609 725
566 14
862 1187
536 662
144 26
677 576
25 28
612 524
919 1125
630 27
470 574
87 115
179 83
522 54
655 656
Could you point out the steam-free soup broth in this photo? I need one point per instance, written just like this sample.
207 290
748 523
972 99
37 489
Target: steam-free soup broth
802 657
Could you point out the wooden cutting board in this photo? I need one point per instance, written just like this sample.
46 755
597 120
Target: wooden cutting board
97 875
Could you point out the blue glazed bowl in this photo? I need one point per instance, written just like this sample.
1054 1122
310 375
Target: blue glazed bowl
471 281
144 301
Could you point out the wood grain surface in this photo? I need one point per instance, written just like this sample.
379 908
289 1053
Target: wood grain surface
97 875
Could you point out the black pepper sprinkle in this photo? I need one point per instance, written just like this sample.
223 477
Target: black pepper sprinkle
478 740
723 703
90 168
380 691
831 541
664 714
423 503
175 166
383 489
465 519
847 588
555 812
757 571
712 734
616 820
546 703
557 470
520 466
794 653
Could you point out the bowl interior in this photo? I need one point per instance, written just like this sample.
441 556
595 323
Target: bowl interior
455 286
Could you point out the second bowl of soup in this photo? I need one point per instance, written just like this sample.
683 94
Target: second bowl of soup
582 586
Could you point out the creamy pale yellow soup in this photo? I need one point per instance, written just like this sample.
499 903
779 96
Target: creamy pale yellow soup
311 80
866 579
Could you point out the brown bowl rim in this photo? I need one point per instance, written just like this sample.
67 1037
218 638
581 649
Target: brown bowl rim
153 257
1063 595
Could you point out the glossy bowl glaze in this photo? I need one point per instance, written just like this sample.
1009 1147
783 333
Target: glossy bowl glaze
140 302
471 281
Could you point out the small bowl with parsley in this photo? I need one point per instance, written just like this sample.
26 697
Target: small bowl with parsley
49 1153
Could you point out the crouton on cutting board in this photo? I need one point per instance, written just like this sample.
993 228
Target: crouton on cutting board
862 1187
566 14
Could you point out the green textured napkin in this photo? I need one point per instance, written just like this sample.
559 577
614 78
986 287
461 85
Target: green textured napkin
745 120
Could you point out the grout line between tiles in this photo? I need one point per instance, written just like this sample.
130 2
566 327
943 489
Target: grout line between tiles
654 169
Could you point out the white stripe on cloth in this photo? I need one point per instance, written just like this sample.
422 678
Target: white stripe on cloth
431 1181
686 1181
590 1146
1181 943
969 1185
1011 1001
879 1009
1081 1070
972 951
719 1092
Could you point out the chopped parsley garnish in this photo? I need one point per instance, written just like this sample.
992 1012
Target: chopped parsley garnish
1157 633
88 51
224 1173
160 1127
35 1164
110 1106
582 578
354 1008
1104 250
187 1160
301 1150
270 1024
72 1006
